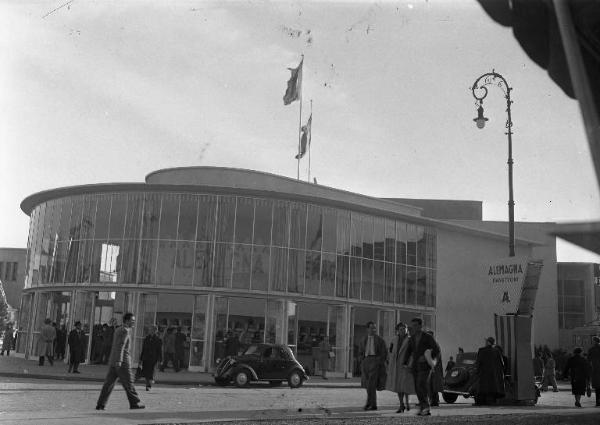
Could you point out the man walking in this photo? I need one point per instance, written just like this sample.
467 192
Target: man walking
46 343
549 374
594 359
119 366
424 351
373 351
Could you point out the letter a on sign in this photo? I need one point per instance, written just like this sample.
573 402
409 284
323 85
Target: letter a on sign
505 297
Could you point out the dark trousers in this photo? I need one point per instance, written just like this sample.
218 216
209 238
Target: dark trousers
179 356
597 391
50 360
124 375
169 356
7 352
370 372
422 388
73 366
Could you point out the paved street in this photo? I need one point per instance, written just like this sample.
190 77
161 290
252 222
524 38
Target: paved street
46 401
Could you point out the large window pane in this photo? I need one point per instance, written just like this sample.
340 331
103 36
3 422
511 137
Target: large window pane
75 223
128 265
366 291
298 225
207 205
342 276
421 287
225 218
241 266
313 272
262 221
118 211
401 239
184 263
378 280
431 287
355 277
297 267
84 261
102 217
203 264
165 264
188 216
390 241
198 331
388 292
279 258
329 230
328 274
411 285
244 219
151 217
60 262
169 216
314 228
73 247
343 233
133 217
88 217
223 263
281 224
148 253
260 268
379 238
65 219
367 236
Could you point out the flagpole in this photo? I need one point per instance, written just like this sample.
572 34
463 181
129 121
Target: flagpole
300 120
309 143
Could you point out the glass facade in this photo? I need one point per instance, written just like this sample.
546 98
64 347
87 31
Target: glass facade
149 244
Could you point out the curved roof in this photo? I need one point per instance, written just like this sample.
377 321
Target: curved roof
222 180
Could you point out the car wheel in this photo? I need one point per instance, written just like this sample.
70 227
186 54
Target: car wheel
449 397
241 379
295 380
221 382
274 383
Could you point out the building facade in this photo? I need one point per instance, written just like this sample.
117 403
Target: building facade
12 276
237 255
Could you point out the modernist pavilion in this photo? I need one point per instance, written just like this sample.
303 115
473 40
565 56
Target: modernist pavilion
229 253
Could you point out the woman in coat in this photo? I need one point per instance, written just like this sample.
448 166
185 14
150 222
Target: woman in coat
8 341
46 342
594 359
151 355
77 346
400 379
579 370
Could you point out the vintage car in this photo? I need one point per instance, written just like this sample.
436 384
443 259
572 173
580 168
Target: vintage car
273 363
459 380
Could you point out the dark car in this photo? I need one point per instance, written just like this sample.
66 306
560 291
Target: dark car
459 380
273 363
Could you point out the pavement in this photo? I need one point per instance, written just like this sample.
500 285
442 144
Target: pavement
18 367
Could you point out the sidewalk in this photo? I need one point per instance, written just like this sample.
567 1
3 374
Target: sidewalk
16 367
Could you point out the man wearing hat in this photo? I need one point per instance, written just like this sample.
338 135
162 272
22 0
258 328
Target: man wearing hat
594 359
490 371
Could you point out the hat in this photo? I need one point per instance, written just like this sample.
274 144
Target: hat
490 339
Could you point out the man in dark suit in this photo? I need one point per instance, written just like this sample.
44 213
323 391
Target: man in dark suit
490 371
424 351
373 352
119 366
77 346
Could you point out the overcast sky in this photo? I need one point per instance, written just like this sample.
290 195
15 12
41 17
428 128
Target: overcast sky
109 91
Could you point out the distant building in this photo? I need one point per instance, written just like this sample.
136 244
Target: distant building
12 275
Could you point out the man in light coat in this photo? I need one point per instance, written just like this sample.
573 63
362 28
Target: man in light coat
119 366
46 343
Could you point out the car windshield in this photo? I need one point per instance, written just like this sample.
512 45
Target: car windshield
466 358
252 349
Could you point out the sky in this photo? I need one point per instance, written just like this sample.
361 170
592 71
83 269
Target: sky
99 92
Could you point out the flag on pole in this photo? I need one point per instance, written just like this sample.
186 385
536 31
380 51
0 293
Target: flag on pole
305 139
294 85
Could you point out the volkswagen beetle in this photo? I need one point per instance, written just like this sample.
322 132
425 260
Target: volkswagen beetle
273 363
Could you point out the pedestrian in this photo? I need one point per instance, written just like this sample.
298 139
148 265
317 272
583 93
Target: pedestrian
423 350
538 367
119 366
324 356
108 333
180 340
450 365
8 340
46 343
151 355
169 349
579 370
77 348
61 342
436 379
373 353
549 374
399 376
594 359
489 367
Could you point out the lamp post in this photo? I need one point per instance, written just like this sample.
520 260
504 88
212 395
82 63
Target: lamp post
480 86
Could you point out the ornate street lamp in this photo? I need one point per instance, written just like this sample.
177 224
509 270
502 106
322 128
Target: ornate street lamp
480 86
